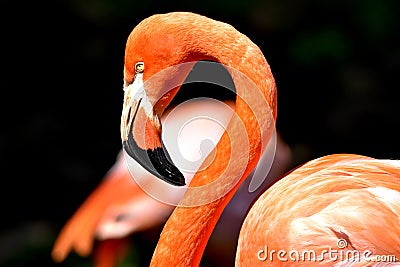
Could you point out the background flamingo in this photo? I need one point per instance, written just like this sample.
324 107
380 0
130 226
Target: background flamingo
118 207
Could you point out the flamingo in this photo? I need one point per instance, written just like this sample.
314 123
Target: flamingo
343 201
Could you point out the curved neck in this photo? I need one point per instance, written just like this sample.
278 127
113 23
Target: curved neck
186 233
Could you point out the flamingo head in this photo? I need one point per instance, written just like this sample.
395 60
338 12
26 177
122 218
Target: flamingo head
153 73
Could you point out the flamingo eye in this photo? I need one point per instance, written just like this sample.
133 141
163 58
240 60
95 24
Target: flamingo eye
139 67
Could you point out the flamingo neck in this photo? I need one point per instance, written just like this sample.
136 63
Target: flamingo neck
187 231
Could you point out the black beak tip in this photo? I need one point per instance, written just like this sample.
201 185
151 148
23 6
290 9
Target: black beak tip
156 161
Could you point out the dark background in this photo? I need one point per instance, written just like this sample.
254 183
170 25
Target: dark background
336 65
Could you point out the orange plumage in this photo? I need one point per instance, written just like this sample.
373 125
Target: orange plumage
342 197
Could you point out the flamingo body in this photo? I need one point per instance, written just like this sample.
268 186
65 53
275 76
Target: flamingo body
343 197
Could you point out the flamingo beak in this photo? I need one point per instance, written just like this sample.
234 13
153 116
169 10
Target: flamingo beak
141 134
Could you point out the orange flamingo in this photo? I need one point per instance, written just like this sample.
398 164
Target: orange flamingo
347 198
